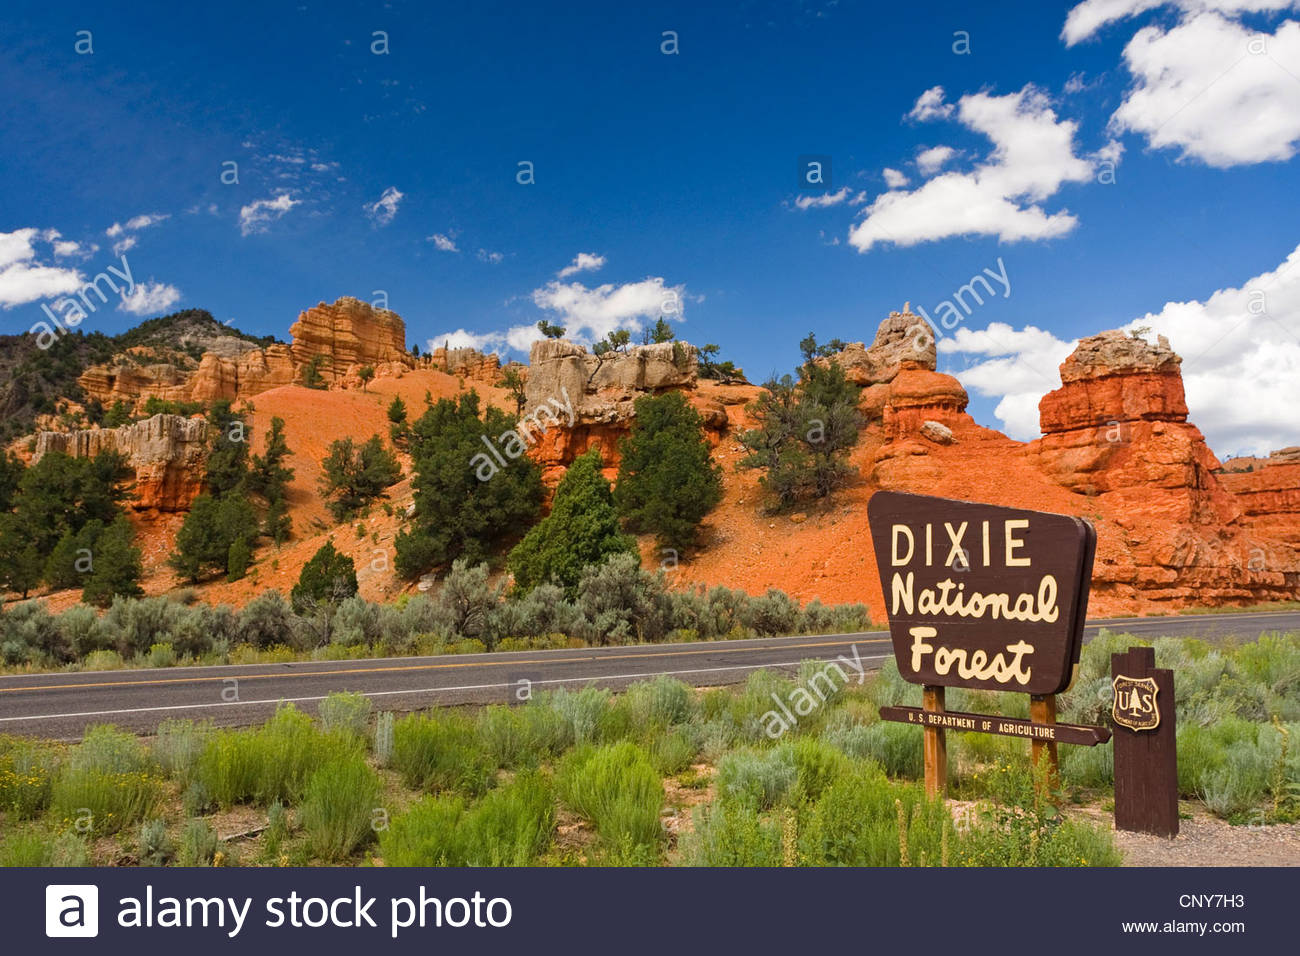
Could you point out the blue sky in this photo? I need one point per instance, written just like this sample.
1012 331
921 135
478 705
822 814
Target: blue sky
1121 162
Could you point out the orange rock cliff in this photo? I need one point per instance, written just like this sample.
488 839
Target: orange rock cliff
1175 526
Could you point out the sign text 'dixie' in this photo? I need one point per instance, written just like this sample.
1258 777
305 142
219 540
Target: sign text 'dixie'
982 596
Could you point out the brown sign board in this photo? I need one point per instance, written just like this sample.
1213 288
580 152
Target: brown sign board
993 724
982 596
1146 744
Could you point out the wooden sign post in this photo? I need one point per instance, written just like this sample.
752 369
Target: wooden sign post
1146 744
987 598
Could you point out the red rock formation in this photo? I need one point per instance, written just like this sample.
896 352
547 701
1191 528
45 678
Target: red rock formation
243 376
347 336
1268 490
469 364
167 453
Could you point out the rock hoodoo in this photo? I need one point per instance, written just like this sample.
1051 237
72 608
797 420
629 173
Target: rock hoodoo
1119 423
347 336
601 390
167 453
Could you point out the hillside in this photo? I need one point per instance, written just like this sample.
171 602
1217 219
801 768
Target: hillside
1174 528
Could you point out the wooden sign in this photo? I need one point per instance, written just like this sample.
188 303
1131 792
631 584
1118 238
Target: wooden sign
982 596
1146 744
993 724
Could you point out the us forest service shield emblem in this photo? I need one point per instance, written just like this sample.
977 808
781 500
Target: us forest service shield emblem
1135 705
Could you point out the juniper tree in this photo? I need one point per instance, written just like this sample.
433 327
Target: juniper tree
667 480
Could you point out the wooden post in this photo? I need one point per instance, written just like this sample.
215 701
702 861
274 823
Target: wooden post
935 744
1146 751
1042 710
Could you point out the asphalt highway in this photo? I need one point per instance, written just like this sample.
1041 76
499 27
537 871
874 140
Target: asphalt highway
61 704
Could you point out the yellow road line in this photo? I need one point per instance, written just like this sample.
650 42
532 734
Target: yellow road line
438 666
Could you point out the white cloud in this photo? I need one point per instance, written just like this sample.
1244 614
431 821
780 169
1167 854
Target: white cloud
24 277
121 232
582 262
1215 91
591 314
1021 366
383 209
258 215
930 161
1033 155
150 297
894 179
485 255
443 243
825 200
930 105
1087 18
1241 362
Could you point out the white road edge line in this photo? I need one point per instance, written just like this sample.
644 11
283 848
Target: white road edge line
426 690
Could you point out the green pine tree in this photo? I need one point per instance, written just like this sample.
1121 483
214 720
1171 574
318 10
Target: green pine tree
466 502
117 568
328 578
355 476
581 530
667 481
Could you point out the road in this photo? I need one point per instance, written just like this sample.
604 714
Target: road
61 705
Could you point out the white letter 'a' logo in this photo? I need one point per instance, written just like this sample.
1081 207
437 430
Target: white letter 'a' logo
71 910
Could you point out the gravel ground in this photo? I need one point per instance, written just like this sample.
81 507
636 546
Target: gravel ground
1205 840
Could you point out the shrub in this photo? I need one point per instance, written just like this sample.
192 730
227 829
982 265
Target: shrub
272 762
857 820
661 702
512 825
428 834
731 834
265 621
346 713
756 779
338 806
616 789
623 603
466 603
817 765
581 712
520 736
102 802
383 739
440 753
154 847
673 751
27 772
178 747
23 848
198 843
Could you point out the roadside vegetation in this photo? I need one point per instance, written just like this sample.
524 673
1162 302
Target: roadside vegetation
662 774
616 602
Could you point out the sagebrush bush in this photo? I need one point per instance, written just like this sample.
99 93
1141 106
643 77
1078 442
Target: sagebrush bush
338 807
759 779
345 713
107 749
660 702
615 788
153 846
198 844
178 746
581 712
